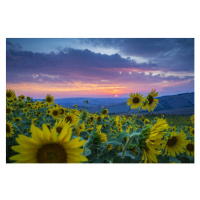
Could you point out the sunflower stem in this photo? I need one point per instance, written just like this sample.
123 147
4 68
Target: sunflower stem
17 129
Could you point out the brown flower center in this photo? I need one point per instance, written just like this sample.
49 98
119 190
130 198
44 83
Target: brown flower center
150 99
48 99
98 119
62 111
8 110
136 100
104 112
17 120
8 95
171 142
55 112
51 153
59 129
68 119
7 128
190 147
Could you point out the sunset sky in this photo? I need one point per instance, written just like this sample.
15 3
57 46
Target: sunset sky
102 67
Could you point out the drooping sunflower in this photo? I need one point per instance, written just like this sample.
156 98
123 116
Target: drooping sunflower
49 99
104 113
10 95
9 129
55 113
73 119
135 100
47 147
190 148
153 142
59 125
175 143
151 102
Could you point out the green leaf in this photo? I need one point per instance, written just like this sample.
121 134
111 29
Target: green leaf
119 159
87 153
83 134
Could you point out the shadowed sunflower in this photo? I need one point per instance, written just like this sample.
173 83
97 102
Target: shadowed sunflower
46 147
175 143
135 100
72 119
80 128
10 95
192 131
104 113
151 102
190 148
9 129
59 126
9 110
49 99
17 119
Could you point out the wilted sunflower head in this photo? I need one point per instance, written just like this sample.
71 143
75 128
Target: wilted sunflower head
49 99
10 95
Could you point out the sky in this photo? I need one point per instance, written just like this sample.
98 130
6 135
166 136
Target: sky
99 67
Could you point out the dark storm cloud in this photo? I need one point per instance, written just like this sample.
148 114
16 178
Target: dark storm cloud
169 53
71 65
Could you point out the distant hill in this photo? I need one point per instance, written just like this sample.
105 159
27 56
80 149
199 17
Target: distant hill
173 104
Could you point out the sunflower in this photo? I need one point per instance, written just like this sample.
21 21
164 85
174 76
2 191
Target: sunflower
25 110
28 98
59 126
146 121
22 97
192 119
49 99
9 110
16 119
73 119
29 105
80 128
192 131
151 102
109 146
135 100
62 111
175 143
75 106
190 148
55 113
10 95
9 129
153 142
46 147
104 113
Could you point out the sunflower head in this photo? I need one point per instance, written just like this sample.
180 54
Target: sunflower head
175 143
45 146
72 119
104 112
135 100
192 131
17 119
49 99
9 129
190 148
55 113
10 95
150 102
9 110
110 147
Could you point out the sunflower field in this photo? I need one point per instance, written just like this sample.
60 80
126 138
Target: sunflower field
45 132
